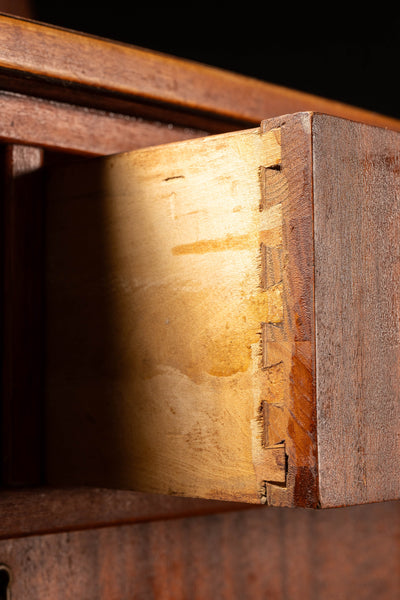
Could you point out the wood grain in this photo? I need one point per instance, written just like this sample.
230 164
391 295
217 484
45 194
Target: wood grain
345 553
40 510
67 128
276 553
149 395
217 379
288 346
251 407
49 62
357 268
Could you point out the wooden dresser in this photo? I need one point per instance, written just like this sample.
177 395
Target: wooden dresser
70 526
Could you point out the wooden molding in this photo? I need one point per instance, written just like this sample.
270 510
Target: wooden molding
54 63
72 129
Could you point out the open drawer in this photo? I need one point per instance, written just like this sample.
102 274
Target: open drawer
223 316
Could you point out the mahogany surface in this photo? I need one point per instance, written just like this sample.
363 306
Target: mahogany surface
357 267
278 553
51 62
283 554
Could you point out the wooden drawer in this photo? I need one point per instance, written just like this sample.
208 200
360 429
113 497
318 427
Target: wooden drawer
223 316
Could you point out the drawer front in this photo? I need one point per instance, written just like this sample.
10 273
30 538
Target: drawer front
182 318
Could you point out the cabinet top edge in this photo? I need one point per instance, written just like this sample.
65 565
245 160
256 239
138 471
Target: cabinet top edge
105 69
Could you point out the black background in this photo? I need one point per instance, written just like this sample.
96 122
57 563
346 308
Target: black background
326 50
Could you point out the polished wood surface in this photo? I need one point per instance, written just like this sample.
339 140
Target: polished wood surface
61 127
259 553
357 267
43 510
47 61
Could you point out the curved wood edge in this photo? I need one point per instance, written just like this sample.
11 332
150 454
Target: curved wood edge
47 60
